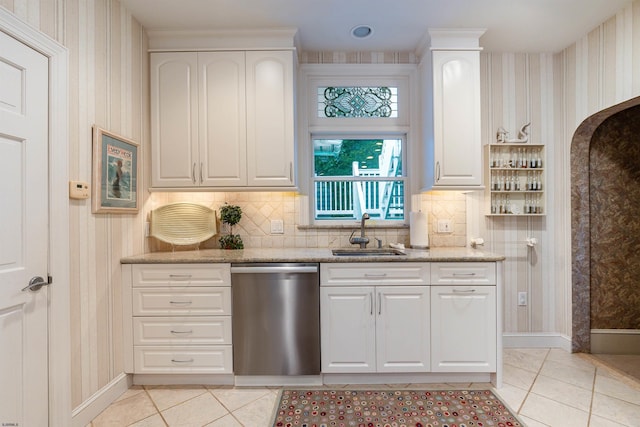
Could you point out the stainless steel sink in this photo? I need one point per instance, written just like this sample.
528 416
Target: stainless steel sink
367 252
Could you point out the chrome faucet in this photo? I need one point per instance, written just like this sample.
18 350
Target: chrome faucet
362 240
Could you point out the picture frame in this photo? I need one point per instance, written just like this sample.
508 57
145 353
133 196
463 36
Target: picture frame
115 173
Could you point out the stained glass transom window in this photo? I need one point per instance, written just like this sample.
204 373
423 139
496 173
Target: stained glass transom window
358 101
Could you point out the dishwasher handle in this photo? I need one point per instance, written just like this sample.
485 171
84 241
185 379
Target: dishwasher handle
275 269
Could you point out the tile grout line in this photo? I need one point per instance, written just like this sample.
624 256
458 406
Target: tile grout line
153 402
229 411
593 393
532 383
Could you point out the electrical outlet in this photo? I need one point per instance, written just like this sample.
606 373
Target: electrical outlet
444 226
522 298
277 226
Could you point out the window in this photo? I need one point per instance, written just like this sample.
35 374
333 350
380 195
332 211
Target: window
358 154
358 101
356 175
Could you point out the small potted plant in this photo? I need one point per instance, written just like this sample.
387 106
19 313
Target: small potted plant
231 214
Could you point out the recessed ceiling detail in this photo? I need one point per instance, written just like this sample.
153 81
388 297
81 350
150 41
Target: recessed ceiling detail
361 31
512 26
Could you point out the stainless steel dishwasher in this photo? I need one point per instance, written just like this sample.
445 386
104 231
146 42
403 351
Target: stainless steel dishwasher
276 318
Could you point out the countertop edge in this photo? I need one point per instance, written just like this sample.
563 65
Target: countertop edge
308 255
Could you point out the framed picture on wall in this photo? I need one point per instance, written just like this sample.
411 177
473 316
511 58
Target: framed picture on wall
115 173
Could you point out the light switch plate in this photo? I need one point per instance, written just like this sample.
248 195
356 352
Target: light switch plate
277 226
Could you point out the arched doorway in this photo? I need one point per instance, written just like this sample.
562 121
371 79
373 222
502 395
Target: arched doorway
605 198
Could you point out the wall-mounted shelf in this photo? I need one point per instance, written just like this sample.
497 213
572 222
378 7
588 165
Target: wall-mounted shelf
515 178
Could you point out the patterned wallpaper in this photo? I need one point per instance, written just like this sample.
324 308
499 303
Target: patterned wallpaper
108 87
614 168
358 58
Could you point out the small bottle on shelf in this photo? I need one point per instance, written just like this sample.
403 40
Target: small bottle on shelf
539 158
538 206
532 160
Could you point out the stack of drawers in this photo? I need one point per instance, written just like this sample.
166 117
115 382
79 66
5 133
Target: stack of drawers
181 318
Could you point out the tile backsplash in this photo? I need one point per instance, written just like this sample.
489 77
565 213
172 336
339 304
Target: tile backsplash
259 208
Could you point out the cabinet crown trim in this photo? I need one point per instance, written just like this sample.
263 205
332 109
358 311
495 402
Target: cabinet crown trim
260 39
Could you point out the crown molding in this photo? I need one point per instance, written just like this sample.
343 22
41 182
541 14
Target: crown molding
195 40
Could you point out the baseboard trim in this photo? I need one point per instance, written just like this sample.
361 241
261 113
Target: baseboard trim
536 340
100 400
402 378
615 341
177 379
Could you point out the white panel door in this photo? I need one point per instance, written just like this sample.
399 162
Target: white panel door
270 119
23 234
456 118
174 117
463 328
402 328
223 124
347 325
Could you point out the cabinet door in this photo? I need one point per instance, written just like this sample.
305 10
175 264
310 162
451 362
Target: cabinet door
463 328
174 119
222 119
270 119
456 119
402 328
347 325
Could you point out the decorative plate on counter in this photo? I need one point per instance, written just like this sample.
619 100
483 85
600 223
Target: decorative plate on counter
183 223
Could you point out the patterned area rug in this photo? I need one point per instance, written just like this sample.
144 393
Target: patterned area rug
392 408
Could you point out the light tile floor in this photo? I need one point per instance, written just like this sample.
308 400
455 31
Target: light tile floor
546 387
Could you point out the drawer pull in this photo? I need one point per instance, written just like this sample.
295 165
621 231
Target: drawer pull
374 275
180 276
180 302
182 361
467 291
182 332
464 274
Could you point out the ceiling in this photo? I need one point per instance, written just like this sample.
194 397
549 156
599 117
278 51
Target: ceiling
398 25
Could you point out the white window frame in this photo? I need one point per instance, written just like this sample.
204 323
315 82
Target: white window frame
403 178
310 126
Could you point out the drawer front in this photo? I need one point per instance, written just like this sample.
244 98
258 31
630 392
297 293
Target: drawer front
182 330
180 301
367 274
171 360
174 275
463 273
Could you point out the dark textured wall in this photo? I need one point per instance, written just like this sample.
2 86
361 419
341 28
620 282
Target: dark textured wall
614 186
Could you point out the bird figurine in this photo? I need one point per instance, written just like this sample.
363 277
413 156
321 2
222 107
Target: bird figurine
523 135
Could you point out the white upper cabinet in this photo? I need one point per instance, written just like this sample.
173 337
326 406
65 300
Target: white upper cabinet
270 119
174 119
222 119
451 73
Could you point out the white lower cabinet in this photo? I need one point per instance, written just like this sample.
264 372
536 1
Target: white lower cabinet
464 317
177 318
443 317
372 325
463 334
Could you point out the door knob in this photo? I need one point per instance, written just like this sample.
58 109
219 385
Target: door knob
35 284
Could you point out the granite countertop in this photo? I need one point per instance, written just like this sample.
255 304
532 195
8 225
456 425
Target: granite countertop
450 254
